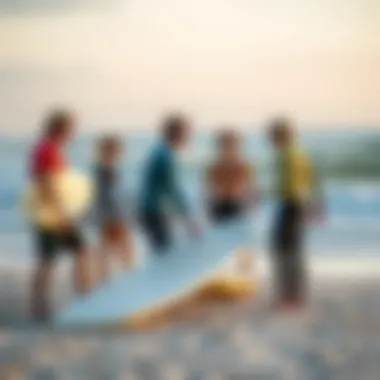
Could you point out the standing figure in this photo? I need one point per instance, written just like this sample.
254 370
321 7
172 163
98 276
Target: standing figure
230 188
298 196
114 235
47 162
229 182
161 195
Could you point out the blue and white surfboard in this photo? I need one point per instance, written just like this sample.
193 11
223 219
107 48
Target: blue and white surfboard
165 278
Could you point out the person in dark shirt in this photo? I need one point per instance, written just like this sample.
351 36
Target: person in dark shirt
161 194
114 234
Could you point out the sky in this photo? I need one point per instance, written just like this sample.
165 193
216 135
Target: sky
123 63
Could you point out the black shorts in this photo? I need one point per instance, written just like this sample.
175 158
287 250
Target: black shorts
157 230
50 243
287 246
225 210
289 227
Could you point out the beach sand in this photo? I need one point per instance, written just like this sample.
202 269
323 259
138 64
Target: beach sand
337 338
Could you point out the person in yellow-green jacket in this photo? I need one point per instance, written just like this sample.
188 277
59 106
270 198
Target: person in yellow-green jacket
299 196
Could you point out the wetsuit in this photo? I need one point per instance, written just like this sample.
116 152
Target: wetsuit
107 205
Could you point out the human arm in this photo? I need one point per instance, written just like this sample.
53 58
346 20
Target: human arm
168 177
174 192
252 190
317 203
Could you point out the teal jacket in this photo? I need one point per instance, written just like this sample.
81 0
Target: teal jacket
160 186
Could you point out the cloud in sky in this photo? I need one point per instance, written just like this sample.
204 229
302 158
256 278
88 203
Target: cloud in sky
38 7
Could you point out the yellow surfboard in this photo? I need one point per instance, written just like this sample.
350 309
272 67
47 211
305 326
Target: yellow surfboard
74 191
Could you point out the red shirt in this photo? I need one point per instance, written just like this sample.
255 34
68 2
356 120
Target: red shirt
47 157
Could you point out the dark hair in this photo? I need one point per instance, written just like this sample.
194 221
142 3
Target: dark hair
58 122
282 126
109 142
173 126
227 136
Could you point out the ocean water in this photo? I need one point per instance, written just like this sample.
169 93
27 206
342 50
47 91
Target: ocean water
349 163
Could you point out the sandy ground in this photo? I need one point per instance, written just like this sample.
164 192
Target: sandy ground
337 338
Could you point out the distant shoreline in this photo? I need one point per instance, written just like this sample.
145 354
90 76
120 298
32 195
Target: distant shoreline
255 128
318 267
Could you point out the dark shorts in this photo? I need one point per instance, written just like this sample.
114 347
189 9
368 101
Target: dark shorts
225 210
287 246
157 230
289 228
49 244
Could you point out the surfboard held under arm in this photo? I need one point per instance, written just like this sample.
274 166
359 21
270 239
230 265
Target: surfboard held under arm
73 190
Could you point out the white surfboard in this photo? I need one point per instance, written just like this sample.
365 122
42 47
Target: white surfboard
164 279
74 191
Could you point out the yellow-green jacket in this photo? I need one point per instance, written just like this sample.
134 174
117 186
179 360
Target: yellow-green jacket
296 177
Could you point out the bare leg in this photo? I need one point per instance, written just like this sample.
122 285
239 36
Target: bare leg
82 272
126 250
41 285
103 262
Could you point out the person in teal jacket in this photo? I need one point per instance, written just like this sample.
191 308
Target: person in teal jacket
161 193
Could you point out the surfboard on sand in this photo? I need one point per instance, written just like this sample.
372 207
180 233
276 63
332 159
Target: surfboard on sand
166 278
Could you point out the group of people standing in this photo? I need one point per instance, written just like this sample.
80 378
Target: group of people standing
230 192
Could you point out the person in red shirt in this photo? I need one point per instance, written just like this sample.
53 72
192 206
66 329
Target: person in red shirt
46 160
47 157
